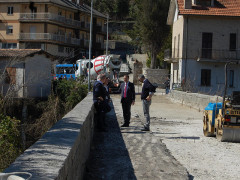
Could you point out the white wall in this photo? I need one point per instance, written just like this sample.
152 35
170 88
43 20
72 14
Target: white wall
38 76
217 77
191 40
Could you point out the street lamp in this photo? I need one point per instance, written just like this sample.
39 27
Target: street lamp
90 49
107 36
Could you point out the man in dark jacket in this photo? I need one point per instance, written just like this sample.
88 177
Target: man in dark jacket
127 99
147 92
99 96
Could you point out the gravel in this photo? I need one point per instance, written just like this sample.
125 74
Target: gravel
180 129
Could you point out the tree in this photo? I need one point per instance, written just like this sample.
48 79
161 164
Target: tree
150 27
122 8
106 7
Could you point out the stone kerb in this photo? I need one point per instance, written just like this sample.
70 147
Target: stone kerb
193 100
62 152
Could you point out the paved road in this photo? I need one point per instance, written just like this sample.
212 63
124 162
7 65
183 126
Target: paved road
130 154
174 149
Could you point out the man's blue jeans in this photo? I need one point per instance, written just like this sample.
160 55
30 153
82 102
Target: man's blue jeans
146 105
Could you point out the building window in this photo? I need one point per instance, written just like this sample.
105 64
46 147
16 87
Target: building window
205 77
9 30
61 49
231 78
10 75
9 45
10 10
233 42
68 50
207 45
60 13
82 36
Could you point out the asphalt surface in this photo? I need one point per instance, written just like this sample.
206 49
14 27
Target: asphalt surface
129 153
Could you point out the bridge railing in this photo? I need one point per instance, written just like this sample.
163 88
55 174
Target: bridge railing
62 152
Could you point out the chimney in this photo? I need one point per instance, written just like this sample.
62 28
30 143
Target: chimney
187 4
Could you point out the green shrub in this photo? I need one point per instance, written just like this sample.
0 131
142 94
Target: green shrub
78 93
71 92
10 146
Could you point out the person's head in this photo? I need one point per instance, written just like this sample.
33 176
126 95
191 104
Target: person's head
141 78
107 81
126 78
101 77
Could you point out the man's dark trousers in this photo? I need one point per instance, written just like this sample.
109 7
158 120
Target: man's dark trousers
127 101
99 91
100 115
126 106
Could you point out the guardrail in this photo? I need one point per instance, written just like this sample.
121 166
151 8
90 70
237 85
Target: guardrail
49 37
48 16
218 54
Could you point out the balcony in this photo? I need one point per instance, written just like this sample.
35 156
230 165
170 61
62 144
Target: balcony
86 43
49 17
171 56
209 55
218 55
49 37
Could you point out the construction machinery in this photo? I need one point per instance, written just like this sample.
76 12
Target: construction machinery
222 119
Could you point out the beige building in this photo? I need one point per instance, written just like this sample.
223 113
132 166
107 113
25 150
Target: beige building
59 27
205 36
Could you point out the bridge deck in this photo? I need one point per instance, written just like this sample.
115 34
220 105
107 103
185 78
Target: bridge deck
129 153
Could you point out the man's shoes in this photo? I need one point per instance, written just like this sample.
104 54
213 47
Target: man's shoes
145 129
125 125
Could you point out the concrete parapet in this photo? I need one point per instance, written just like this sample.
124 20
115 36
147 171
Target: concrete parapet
194 100
137 69
62 152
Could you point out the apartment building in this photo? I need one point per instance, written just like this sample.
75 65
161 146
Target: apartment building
205 36
59 27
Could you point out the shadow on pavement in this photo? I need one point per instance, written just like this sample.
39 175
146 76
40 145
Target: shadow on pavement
109 157
194 138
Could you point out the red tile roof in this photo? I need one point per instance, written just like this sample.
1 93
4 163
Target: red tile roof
220 8
18 52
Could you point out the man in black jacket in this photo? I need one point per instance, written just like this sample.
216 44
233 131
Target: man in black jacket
127 99
99 95
147 92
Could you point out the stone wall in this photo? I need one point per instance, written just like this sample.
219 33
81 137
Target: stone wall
194 100
157 76
136 70
62 152
137 57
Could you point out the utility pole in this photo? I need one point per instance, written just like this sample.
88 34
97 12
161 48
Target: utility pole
90 49
107 36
